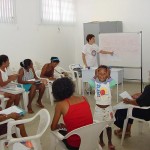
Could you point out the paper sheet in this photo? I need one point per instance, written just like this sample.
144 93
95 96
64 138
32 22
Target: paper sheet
13 109
125 94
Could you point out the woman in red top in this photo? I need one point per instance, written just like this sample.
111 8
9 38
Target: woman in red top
75 110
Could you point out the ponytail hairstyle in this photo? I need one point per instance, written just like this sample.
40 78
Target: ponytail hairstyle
26 63
55 59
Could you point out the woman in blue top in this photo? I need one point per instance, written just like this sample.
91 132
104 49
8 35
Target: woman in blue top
26 77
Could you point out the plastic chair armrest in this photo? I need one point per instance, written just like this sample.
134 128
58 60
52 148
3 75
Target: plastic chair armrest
57 135
6 121
1 96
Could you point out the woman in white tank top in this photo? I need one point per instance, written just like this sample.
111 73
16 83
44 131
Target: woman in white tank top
5 79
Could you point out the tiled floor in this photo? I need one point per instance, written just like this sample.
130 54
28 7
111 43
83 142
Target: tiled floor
135 142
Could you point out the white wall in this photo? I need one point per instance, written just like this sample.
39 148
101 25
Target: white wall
29 39
134 15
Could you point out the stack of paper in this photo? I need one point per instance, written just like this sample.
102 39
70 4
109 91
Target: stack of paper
13 109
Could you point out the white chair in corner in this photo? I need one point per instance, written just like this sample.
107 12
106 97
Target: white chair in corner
129 115
35 139
88 134
73 68
58 72
48 87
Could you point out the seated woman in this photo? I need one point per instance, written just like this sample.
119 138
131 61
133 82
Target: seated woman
3 127
48 69
5 80
26 74
71 108
139 99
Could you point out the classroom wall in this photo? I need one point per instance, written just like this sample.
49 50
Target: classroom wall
134 15
29 39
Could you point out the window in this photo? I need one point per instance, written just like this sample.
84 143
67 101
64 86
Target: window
7 11
58 11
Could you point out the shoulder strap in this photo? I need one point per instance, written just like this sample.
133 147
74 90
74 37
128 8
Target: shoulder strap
84 98
68 102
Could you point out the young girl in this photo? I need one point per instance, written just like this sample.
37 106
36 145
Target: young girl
103 108
75 110
26 73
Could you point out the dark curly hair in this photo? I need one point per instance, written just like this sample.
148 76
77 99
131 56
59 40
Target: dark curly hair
26 63
103 67
63 88
3 59
89 37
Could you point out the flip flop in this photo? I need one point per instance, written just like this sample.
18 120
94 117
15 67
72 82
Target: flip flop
118 132
111 147
30 111
102 144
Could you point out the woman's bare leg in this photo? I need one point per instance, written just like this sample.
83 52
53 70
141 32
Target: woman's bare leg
31 96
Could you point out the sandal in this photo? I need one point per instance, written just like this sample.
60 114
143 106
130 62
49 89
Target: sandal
111 147
102 144
30 111
118 132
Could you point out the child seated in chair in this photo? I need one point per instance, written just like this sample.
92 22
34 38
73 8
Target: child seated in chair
75 110
103 109
26 77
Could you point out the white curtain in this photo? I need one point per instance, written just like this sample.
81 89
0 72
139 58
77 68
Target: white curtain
58 11
7 11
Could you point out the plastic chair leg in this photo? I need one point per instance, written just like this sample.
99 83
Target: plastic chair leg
140 127
124 130
2 145
51 96
37 144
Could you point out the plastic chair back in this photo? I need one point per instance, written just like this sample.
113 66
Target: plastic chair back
129 115
35 139
89 136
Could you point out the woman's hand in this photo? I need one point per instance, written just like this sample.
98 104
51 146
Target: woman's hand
135 96
14 116
126 101
13 77
44 81
61 126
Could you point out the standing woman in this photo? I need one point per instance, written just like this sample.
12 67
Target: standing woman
5 79
26 73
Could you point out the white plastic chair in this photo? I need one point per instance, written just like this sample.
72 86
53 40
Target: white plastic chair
59 70
3 101
129 115
76 74
3 122
88 134
48 87
35 139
